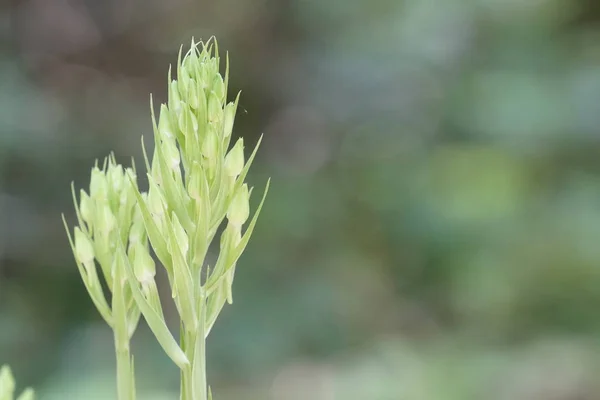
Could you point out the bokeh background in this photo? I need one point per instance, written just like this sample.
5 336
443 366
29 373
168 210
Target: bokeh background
433 226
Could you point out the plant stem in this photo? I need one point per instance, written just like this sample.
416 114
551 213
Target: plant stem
193 378
125 375
199 363
125 385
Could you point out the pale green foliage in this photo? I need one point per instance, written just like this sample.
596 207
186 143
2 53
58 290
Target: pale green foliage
195 184
7 386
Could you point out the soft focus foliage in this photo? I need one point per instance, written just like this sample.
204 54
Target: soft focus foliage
432 228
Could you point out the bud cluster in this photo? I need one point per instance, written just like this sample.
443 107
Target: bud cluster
195 183
108 217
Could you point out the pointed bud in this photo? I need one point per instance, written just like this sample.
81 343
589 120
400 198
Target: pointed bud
184 83
164 124
156 201
195 181
28 394
7 383
155 169
181 236
239 210
174 97
187 121
143 264
229 118
98 185
114 176
171 153
215 108
193 100
83 247
210 144
86 206
105 219
137 233
219 88
234 160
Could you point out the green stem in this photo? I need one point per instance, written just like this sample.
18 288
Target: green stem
125 375
125 383
199 364
193 377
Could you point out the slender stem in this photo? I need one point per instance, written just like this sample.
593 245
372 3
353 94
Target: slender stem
193 378
125 375
125 384
199 364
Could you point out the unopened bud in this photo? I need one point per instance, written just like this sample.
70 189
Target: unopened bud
98 185
164 124
239 210
86 206
180 236
83 247
209 146
143 264
215 108
229 117
234 160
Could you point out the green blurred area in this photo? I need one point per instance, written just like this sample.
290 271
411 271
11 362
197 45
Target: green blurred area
433 223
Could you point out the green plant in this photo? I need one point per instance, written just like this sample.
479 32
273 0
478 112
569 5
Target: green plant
7 386
195 184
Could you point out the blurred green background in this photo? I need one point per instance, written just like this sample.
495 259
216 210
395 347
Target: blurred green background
433 226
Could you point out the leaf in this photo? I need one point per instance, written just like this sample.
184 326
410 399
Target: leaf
174 194
233 256
156 239
183 280
96 295
155 322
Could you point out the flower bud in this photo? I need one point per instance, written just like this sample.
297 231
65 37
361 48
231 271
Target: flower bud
181 236
86 206
210 144
83 247
239 209
215 109
171 153
98 184
7 383
143 264
174 97
187 121
234 161
195 181
105 219
156 202
114 176
193 100
218 88
127 195
228 119
164 124
137 233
